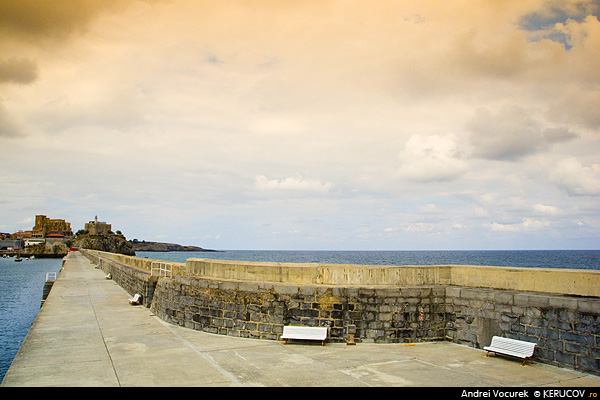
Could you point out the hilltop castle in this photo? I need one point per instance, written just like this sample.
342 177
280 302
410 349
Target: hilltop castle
96 227
46 228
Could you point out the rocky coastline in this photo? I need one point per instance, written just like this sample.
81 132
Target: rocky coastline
52 248
109 243
59 247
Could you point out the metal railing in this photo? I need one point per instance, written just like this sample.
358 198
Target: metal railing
50 276
162 269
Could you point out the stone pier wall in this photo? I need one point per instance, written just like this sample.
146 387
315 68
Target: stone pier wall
565 328
260 310
411 305
131 277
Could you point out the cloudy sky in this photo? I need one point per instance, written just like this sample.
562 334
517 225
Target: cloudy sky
309 124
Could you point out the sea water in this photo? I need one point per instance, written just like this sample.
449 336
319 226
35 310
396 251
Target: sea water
21 291
21 283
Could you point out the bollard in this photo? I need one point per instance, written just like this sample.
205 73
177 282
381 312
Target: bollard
351 332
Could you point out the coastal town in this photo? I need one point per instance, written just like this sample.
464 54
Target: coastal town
52 237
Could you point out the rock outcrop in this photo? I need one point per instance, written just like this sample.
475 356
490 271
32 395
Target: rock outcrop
52 248
110 243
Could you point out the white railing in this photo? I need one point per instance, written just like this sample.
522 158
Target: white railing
50 276
162 269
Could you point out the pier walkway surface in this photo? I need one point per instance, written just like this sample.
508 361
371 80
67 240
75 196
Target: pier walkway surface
87 334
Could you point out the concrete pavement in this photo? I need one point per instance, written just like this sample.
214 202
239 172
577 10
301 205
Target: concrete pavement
87 334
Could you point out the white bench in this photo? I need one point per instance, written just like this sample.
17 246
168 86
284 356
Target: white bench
304 333
137 299
511 347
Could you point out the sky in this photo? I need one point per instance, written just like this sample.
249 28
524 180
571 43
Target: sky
305 125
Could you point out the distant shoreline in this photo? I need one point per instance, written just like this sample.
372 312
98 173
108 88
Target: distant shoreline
170 251
164 247
13 254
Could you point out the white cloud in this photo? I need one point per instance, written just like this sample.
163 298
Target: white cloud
293 183
527 224
430 209
421 227
576 178
481 212
544 209
431 158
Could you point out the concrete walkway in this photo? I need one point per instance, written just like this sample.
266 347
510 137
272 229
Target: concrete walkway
87 334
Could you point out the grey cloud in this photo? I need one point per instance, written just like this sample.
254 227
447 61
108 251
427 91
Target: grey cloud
7 127
511 134
32 19
21 71
500 58
556 135
577 105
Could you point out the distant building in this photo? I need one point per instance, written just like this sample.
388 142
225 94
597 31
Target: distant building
21 234
11 244
46 228
33 241
96 227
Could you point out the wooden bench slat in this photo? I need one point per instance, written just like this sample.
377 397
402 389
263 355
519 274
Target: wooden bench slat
507 352
305 333
511 347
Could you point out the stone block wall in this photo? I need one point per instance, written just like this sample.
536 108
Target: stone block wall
132 280
260 310
565 328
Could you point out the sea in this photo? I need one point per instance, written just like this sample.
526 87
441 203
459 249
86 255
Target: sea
21 291
21 283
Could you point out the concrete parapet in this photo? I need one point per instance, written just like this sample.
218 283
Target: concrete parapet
561 281
546 280
576 282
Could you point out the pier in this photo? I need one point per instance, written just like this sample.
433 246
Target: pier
87 334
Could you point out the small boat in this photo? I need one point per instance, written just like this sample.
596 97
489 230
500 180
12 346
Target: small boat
17 259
